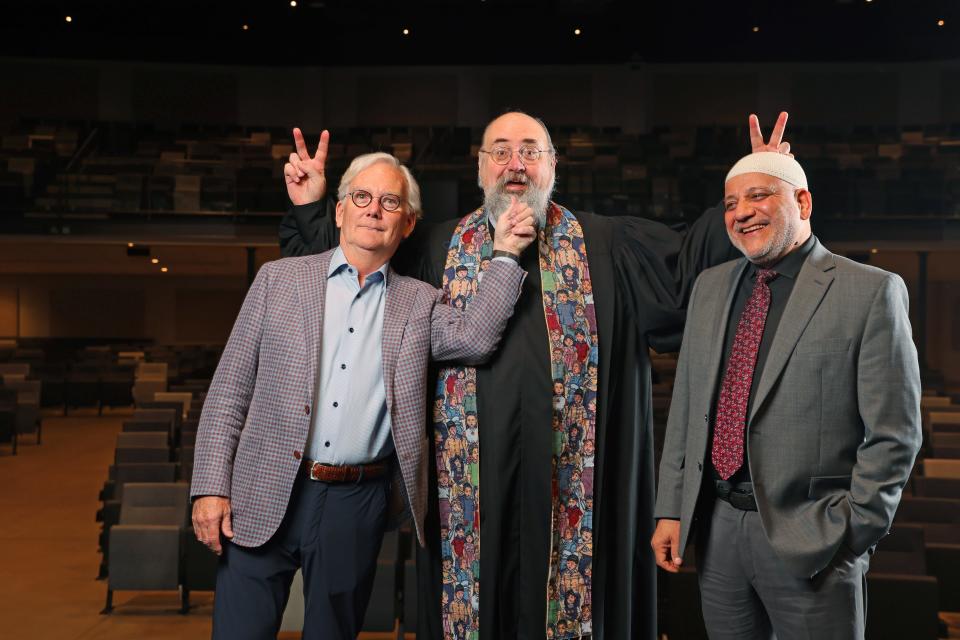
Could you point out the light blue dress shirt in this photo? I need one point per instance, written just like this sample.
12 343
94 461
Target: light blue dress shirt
351 424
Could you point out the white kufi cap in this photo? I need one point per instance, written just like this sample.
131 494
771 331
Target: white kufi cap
773 164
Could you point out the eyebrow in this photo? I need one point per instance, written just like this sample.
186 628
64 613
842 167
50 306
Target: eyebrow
370 191
525 141
752 190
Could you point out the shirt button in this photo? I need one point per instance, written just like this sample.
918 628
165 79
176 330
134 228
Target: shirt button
349 270
343 366
306 409
336 404
350 329
327 443
296 454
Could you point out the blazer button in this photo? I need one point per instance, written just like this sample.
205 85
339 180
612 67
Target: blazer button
296 454
306 409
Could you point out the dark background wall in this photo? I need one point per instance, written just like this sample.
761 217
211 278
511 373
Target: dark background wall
634 97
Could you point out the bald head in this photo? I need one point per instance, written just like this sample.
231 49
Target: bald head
513 119
529 181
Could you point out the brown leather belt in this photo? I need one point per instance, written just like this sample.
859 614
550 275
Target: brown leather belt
344 473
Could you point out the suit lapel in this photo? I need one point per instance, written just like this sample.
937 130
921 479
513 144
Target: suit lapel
812 283
312 289
720 321
400 296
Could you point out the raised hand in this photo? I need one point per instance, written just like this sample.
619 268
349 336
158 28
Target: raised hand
776 142
303 174
516 228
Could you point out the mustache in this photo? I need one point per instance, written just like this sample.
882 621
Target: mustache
511 176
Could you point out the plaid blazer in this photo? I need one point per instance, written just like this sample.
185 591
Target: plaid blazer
256 416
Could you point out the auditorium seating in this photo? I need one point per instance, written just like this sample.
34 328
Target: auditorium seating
146 546
941 468
8 426
183 397
28 406
149 453
932 487
151 377
666 172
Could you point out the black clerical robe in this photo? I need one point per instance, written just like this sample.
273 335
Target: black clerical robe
642 273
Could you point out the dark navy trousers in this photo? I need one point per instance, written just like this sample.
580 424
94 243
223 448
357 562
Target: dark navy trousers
333 532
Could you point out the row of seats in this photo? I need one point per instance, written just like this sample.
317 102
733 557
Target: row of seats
19 404
105 376
146 540
861 170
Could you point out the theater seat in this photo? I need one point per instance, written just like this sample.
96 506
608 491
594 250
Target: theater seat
901 606
941 468
146 546
927 487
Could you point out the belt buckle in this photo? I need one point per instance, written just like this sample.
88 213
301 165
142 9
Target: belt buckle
314 471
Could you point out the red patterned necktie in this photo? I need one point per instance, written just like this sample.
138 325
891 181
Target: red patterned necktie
735 391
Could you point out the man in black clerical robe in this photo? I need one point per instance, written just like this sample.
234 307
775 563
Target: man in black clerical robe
641 273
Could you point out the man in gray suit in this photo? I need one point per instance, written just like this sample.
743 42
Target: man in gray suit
319 399
794 424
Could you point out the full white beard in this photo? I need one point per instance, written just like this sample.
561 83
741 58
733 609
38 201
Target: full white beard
496 199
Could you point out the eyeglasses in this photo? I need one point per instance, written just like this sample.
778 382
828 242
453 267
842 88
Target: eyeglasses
528 154
388 201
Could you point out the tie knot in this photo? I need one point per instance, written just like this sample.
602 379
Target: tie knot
765 275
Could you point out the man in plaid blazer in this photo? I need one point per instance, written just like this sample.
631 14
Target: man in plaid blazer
319 399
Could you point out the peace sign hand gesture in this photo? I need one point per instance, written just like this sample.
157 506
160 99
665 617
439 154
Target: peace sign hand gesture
776 143
304 175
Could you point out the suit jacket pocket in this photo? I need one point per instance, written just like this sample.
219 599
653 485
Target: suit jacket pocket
815 347
821 486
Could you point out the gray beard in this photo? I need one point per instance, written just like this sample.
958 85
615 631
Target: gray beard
496 200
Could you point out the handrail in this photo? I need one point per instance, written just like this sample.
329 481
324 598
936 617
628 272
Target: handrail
81 149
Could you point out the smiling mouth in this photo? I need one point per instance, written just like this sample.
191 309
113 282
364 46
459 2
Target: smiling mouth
752 228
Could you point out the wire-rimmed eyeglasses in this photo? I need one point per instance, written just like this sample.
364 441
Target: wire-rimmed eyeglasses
528 154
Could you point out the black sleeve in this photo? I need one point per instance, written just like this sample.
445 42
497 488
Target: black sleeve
309 228
656 266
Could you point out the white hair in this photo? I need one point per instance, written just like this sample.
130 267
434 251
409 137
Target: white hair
363 162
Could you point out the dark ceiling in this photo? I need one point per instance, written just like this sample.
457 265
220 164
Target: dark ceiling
520 32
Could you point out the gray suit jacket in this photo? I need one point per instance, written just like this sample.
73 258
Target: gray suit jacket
835 424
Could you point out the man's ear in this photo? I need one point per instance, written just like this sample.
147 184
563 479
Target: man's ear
339 217
411 223
805 202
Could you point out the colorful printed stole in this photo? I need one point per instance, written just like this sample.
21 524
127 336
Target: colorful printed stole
572 331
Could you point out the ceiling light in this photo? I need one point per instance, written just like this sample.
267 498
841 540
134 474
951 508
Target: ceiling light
246 27
130 245
406 32
293 3
164 269
940 22
576 31
874 251
756 29
69 18
155 260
